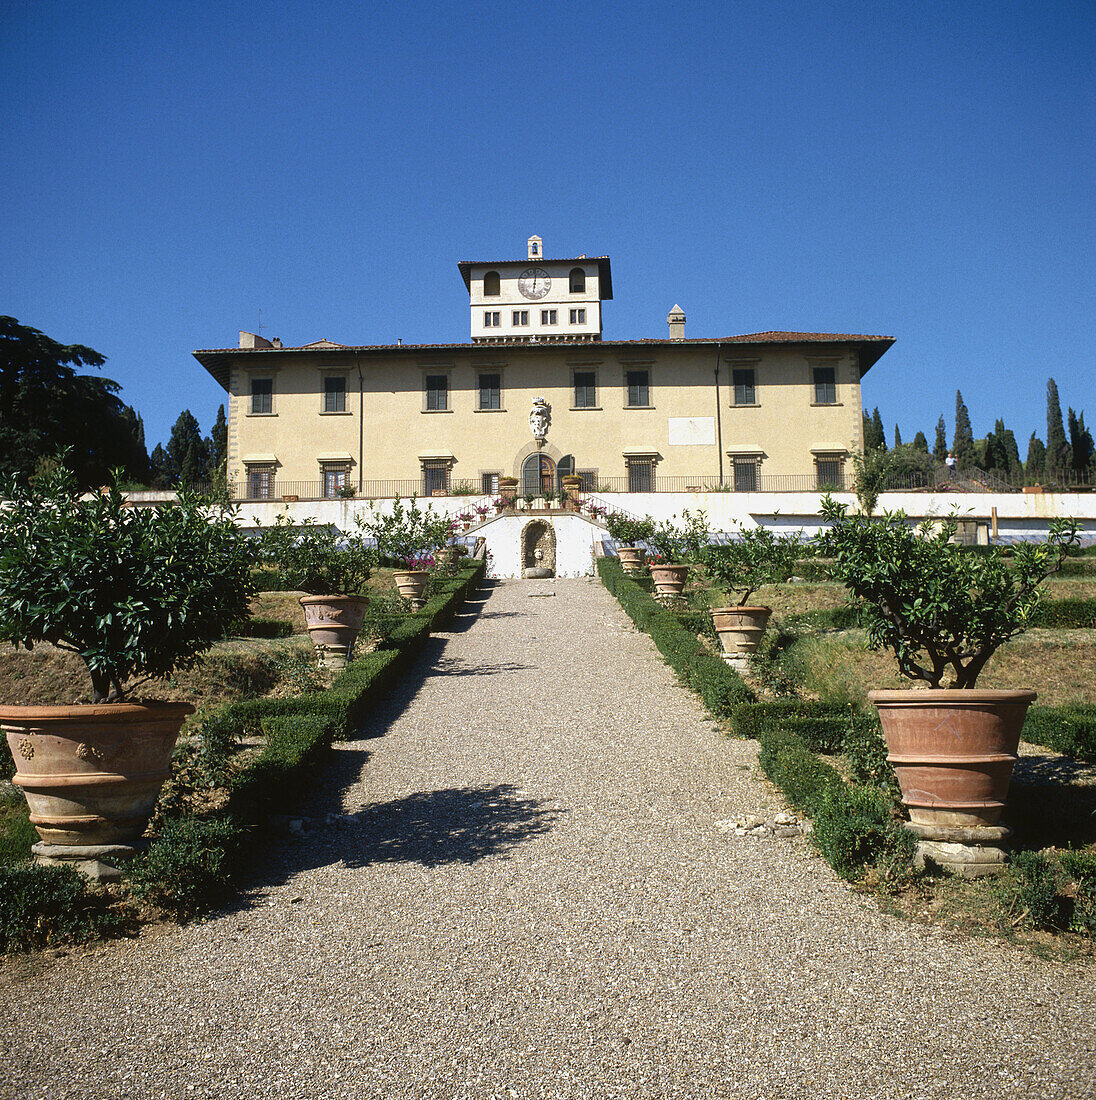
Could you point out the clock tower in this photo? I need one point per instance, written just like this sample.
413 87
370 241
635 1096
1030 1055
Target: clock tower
537 300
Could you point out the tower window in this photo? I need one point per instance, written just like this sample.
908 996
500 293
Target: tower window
491 318
577 280
548 317
578 317
492 285
520 318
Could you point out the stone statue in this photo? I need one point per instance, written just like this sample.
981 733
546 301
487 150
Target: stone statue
540 419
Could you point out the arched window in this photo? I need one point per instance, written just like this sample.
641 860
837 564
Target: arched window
578 280
492 287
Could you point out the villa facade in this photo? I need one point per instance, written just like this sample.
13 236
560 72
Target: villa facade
772 410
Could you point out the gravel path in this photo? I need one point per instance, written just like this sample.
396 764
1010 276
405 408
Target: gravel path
525 893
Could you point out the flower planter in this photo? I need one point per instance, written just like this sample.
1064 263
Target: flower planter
411 583
91 774
953 751
333 623
632 559
740 630
447 557
669 580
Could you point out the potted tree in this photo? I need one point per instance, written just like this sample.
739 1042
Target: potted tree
332 569
628 532
756 557
943 612
410 537
137 593
673 547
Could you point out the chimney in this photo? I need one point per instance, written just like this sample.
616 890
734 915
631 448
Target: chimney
253 340
676 320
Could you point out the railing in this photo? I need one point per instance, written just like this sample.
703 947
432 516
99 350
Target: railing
940 479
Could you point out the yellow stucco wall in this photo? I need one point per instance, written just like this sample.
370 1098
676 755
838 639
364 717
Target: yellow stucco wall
785 426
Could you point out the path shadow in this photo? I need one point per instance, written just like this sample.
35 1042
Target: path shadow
1052 801
430 828
454 666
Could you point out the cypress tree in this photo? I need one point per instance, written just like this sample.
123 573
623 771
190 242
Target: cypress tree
158 462
963 444
940 447
897 436
921 443
1035 467
1080 442
186 454
1058 456
218 447
878 432
1012 453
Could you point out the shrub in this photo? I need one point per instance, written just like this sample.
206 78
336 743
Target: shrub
627 530
40 906
188 867
1035 883
316 558
409 536
790 764
1065 614
17 834
936 608
756 557
854 828
1081 868
1069 729
265 628
136 592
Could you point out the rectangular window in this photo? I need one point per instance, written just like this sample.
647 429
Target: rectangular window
548 317
435 478
336 479
640 475
744 390
260 482
825 386
520 317
589 480
745 474
830 472
489 483
578 317
639 388
437 392
490 391
262 395
334 395
585 390
491 318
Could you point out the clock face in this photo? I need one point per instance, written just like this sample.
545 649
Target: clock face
534 283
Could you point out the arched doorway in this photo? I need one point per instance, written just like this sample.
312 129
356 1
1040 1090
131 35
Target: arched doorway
538 476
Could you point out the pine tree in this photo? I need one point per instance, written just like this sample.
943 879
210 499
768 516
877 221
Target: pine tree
1058 456
963 443
940 447
897 436
1080 442
878 432
186 452
920 443
1035 467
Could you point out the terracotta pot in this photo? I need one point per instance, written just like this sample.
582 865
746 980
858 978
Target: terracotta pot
446 556
740 629
411 583
91 774
669 579
632 559
333 623
953 751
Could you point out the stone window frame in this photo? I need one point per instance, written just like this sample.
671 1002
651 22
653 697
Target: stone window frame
491 368
585 368
260 376
830 458
334 466
647 366
344 375
735 365
445 372
823 364
436 465
637 461
251 469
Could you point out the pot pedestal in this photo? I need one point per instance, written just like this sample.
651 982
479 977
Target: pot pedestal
99 862
952 751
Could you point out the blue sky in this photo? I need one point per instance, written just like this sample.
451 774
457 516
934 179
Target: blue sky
924 171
